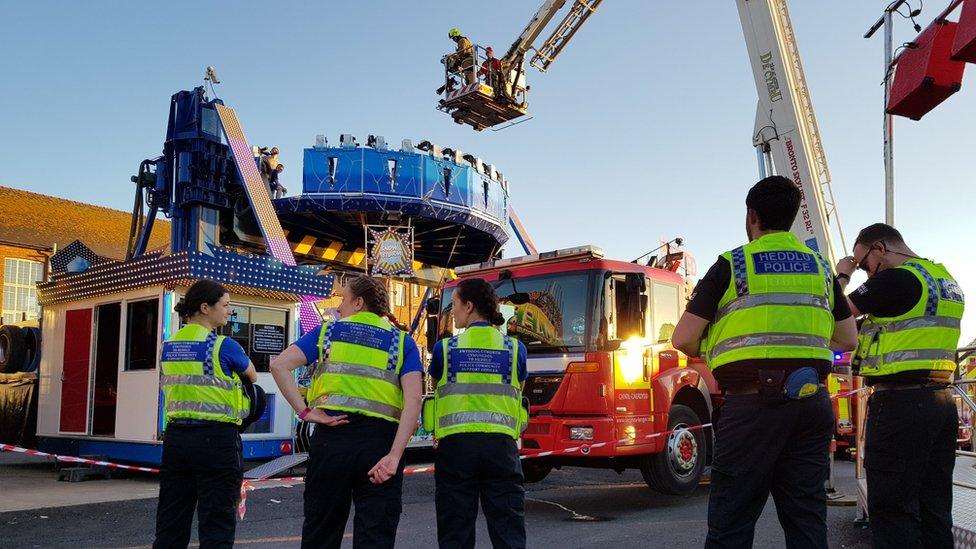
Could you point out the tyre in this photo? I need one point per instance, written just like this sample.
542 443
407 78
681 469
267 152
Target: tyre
32 344
535 472
678 469
13 349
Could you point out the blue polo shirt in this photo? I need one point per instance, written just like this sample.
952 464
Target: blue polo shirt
436 369
309 344
232 357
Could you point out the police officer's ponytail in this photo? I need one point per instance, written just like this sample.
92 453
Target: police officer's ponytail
203 291
373 291
482 295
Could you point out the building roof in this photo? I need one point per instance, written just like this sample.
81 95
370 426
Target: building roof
42 221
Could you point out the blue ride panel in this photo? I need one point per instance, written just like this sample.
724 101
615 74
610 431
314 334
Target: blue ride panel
459 212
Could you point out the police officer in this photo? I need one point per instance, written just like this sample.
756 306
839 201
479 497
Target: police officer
906 353
773 314
202 465
477 417
365 402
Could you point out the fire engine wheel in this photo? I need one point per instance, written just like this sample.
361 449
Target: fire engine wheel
678 469
13 348
535 472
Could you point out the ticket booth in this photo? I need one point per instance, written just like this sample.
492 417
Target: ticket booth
102 331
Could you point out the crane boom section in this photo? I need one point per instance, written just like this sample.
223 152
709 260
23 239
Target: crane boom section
786 124
532 31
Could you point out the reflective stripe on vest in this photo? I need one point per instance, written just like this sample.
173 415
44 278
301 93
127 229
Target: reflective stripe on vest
923 338
194 383
344 402
358 371
200 381
479 389
466 418
749 301
777 305
779 340
204 408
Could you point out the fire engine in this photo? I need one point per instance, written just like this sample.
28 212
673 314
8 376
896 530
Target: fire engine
601 367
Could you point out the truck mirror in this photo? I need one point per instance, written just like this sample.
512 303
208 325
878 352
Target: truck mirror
432 333
642 299
635 283
433 305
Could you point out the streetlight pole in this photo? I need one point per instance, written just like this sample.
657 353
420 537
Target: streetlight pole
889 120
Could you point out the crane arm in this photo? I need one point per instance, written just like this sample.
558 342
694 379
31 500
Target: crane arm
532 30
786 127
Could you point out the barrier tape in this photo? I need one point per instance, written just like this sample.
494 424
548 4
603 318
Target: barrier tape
73 459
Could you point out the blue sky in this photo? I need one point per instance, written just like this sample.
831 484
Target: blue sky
641 130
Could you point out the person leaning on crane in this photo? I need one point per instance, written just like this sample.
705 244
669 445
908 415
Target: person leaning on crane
462 60
906 353
476 417
365 402
774 315
202 465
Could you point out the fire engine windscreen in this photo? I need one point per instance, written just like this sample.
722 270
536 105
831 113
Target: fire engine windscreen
559 316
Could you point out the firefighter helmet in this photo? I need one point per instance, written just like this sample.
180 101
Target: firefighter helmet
454 33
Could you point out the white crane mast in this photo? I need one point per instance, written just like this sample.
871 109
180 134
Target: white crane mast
786 132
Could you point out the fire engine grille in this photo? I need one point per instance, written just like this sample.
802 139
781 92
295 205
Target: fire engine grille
541 389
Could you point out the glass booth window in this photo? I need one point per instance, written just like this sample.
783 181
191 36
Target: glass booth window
260 331
665 311
141 334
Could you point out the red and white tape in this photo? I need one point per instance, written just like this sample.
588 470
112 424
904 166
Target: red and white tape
73 459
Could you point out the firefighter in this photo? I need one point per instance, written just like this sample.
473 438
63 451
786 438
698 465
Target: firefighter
204 407
906 353
365 401
462 60
773 312
477 417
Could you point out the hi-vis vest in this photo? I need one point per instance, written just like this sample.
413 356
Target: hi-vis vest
358 370
479 389
778 304
924 338
194 384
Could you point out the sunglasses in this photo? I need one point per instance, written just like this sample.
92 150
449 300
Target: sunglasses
861 263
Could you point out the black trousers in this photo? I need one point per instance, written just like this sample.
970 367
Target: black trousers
765 447
339 460
472 466
909 452
202 469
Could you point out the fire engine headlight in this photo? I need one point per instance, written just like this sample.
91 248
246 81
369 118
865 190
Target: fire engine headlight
581 433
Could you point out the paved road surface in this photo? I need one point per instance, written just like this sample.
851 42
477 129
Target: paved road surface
571 508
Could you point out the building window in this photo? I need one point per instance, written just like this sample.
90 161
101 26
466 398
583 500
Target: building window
141 337
399 294
19 289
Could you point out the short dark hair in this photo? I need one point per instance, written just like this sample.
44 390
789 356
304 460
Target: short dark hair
776 200
878 232
203 291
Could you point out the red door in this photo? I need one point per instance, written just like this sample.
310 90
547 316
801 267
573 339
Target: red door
75 371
